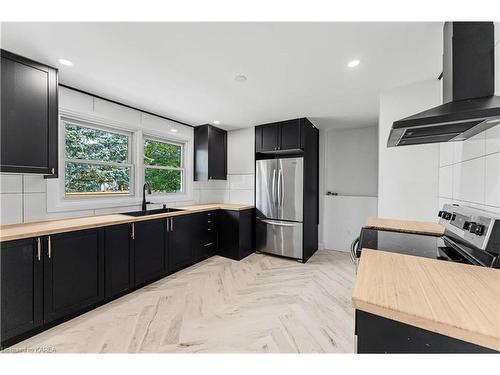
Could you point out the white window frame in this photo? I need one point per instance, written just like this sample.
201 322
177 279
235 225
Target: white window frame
182 168
154 127
110 129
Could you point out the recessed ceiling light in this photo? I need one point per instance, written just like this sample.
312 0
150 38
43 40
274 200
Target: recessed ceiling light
64 62
174 130
216 122
240 78
353 63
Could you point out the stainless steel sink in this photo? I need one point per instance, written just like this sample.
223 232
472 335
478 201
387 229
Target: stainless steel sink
152 212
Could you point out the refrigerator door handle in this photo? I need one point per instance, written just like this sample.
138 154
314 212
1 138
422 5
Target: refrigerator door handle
273 188
280 188
278 223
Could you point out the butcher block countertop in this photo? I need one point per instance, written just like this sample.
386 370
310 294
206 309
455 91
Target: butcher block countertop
406 226
452 299
44 228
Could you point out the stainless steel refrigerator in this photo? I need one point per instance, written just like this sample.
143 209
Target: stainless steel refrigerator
279 203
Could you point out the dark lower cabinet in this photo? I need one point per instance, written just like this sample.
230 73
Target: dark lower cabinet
180 242
236 233
73 272
49 279
376 335
204 234
150 244
119 259
21 288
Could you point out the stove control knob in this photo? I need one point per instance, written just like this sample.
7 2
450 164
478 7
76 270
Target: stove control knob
447 215
477 229
466 225
440 214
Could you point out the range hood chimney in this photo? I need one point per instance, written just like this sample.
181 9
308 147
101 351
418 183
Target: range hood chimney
470 106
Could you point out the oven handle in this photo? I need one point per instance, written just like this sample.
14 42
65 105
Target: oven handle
354 245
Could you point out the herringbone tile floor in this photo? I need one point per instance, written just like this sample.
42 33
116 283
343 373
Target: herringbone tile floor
260 304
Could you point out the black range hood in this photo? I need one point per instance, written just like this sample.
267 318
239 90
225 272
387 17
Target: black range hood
468 87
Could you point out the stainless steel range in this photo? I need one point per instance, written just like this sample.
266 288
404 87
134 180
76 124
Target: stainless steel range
471 236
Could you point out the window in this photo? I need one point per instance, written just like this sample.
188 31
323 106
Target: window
163 165
97 161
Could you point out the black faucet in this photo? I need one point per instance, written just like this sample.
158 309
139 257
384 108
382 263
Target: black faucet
144 203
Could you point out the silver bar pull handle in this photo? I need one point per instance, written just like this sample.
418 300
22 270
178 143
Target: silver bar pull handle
172 224
280 188
49 247
39 249
133 231
208 244
273 187
166 224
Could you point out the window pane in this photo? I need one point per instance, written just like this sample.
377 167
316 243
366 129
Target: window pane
162 154
163 180
94 144
101 179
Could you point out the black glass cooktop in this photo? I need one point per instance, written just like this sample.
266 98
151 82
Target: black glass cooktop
411 244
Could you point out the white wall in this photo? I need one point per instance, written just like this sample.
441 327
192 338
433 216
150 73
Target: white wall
239 186
408 175
469 171
27 198
349 167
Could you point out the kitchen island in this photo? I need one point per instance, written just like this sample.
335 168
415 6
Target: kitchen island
409 304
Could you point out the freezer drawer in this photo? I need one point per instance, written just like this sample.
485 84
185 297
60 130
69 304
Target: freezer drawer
279 237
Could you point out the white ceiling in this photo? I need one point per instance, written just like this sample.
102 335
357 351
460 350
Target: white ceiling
186 70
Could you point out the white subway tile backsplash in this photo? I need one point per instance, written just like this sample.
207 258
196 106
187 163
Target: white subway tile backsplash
214 196
471 148
35 209
446 182
492 183
241 181
446 154
11 208
241 196
34 184
468 181
493 140
11 183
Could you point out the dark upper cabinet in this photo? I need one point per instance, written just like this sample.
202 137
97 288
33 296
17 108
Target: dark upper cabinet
210 153
150 244
280 136
29 116
119 259
73 272
21 287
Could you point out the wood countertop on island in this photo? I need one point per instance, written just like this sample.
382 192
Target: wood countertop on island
45 228
405 226
452 299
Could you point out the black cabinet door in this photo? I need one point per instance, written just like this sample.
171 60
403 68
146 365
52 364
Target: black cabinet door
181 241
290 135
217 149
29 116
73 272
21 287
119 259
150 253
270 137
